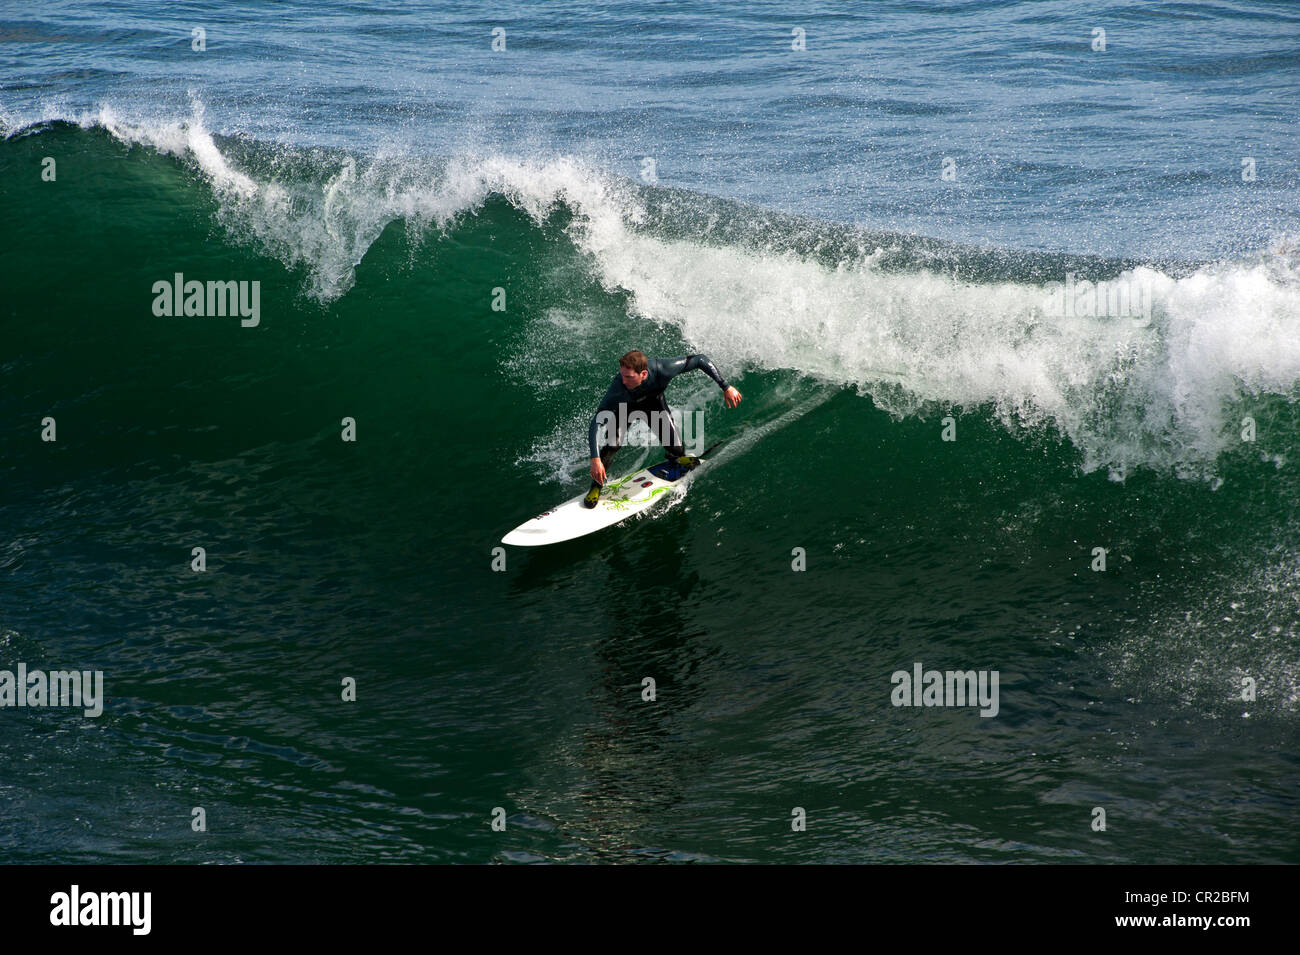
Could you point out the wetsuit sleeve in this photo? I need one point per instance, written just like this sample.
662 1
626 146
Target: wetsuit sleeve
670 367
608 403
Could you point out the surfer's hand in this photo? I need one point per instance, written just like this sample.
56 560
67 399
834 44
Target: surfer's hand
731 396
598 470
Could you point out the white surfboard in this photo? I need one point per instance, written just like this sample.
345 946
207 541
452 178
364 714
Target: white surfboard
618 501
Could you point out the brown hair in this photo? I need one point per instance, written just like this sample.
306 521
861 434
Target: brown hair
634 360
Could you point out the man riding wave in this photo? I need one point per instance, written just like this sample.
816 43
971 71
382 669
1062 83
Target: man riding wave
639 387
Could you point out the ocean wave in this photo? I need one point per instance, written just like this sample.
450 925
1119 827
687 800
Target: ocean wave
1137 365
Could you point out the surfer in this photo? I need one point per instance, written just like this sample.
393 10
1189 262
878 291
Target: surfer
639 387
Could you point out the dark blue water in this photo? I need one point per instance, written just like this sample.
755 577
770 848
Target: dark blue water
1136 149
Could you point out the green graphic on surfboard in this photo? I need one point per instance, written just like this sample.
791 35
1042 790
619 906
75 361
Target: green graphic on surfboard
618 500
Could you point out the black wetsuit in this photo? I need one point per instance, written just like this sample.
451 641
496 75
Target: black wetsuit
646 398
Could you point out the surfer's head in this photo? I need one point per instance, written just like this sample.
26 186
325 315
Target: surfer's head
633 367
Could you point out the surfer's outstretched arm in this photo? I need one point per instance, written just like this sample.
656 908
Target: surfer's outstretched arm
670 367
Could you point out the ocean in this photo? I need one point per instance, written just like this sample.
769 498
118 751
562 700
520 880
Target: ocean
1011 291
